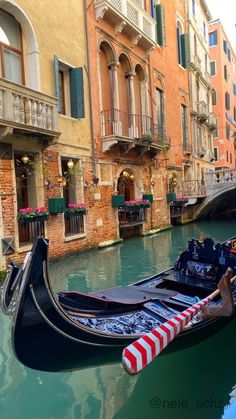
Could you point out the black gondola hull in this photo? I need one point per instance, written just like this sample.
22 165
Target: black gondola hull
45 338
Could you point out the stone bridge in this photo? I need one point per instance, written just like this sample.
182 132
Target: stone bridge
215 197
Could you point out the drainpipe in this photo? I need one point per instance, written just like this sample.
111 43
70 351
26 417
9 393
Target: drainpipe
95 179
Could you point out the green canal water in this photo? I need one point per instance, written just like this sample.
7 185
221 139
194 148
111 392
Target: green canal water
189 384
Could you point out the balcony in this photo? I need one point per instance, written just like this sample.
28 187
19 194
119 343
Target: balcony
187 148
130 131
131 217
197 63
202 111
212 123
28 112
128 17
202 151
207 77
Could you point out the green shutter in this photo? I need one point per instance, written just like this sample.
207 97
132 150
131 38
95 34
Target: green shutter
57 82
185 51
160 19
77 92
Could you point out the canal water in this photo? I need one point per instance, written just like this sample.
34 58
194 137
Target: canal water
190 384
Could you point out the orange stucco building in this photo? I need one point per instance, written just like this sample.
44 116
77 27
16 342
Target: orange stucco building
223 80
140 106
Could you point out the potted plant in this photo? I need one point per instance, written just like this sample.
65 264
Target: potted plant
74 209
148 137
26 215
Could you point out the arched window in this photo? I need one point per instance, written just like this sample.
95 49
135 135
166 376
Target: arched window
11 54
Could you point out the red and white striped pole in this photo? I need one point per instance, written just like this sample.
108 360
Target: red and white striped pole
140 353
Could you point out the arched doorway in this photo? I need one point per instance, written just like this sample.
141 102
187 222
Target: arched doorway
126 184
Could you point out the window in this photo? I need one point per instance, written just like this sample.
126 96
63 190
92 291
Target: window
184 124
73 194
225 72
26 196
206 64
204 29
215 132
229 55
179 33
194 7
160 112
225 46
227 101
228 131
215 154
234 113
230 158
213 38
213 68
11 55
234 89
214 97
227 155
69 89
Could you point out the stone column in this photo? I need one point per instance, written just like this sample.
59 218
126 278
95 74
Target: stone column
117 128
133 129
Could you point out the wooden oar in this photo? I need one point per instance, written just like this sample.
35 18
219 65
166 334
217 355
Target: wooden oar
140 353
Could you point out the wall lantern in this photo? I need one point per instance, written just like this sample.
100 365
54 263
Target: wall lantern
25 159
70 164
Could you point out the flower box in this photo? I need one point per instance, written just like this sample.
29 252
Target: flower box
171 197
56 205
29 215
136 204
117 201
148 197
74 209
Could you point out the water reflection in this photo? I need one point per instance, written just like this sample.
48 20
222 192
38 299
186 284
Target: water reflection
185 385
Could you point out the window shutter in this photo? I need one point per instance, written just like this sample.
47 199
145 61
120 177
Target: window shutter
57 82
185 51
160 19
152 8
77 92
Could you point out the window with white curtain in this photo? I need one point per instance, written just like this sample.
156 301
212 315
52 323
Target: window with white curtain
11 55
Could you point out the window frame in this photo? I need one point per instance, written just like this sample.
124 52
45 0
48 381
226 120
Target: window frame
212 62
20 52
213 36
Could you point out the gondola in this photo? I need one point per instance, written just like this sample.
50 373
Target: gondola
79 330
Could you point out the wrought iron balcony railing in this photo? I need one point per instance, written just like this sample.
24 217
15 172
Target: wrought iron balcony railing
135 127
203 113
212 123
129 17
187 148
129 217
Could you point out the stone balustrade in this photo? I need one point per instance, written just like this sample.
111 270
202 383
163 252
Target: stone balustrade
25 109
130 18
